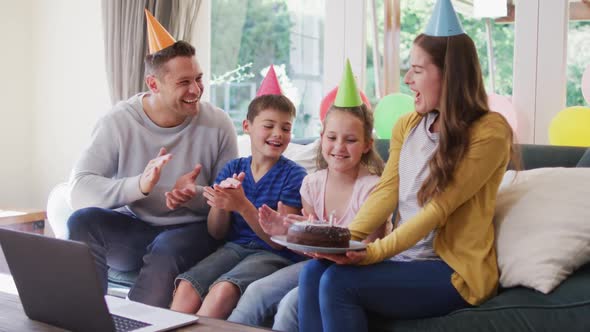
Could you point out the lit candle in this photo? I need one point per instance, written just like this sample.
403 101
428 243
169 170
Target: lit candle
332 217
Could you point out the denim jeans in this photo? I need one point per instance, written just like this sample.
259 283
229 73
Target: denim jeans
286 317
337 297
261 299
125 243
238 264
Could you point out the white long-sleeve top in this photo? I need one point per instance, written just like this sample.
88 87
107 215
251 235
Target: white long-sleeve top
125 140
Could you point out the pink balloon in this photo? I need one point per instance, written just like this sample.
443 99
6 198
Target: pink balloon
329 100
503 105
586 84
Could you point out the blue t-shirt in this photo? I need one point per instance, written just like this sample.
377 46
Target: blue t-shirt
281 183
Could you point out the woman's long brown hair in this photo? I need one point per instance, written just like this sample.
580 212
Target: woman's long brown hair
463 101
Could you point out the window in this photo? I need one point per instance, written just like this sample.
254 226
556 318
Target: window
248 36
577 61
415 16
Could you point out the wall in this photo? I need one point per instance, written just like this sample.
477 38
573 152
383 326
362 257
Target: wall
344 38
16 94
69 91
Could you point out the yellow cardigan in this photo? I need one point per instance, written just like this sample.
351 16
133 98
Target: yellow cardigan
462 214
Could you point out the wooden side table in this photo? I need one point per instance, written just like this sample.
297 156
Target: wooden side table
25 220
32 221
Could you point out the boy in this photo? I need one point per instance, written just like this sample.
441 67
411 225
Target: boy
213 287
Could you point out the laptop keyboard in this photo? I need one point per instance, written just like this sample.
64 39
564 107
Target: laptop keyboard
123 324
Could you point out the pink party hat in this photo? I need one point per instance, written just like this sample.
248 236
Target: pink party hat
270 84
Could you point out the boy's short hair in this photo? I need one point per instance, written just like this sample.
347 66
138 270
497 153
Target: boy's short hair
155 61
275 102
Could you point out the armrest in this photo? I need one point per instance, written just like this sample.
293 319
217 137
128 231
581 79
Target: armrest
58 210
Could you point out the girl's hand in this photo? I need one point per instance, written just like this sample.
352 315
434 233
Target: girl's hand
308 215
350 258
273 222
293 218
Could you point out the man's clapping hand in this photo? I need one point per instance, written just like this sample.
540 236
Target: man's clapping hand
184 189
151 174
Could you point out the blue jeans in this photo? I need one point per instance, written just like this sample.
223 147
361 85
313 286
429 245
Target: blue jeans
337 297
261 299
125 243
238 264
286 317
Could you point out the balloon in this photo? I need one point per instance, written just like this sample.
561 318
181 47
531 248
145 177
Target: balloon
329 100
389 109
571 127
586 84
503 105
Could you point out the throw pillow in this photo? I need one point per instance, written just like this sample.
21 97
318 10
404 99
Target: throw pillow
304 154
542 224
585 160
244 148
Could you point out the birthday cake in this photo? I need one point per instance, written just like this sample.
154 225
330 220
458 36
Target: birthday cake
318 235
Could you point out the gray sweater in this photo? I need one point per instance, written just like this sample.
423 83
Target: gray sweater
125 140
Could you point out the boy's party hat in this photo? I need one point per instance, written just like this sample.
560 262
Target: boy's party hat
270 84
348 95
444 21
158 37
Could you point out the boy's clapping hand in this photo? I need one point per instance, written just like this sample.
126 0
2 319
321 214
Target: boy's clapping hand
230 197
228 183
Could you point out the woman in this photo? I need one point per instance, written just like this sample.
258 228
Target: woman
446 163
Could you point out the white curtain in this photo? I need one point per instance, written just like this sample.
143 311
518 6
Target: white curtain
183 18
125 38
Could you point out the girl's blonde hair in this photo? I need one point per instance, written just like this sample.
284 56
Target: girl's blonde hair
371 158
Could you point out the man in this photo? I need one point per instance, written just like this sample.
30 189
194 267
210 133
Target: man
139 184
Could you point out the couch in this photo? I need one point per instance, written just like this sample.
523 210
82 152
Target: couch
567 308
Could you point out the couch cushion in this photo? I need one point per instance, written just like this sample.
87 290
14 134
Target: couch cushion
585 160
520 309
542 227
537 156
122 279
304 154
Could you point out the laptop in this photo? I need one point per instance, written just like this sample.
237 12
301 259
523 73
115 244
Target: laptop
58 284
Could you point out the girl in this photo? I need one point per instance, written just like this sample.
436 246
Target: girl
446 162
348 169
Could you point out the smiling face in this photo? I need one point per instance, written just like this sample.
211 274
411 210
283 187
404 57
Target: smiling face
270 133
343 141
425 79
179 86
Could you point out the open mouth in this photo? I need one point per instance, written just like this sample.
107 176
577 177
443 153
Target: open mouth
190 101
338 156
275 144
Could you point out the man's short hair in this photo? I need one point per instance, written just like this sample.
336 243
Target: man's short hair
155 62
270 102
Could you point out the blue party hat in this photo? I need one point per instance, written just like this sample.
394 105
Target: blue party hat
444 21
